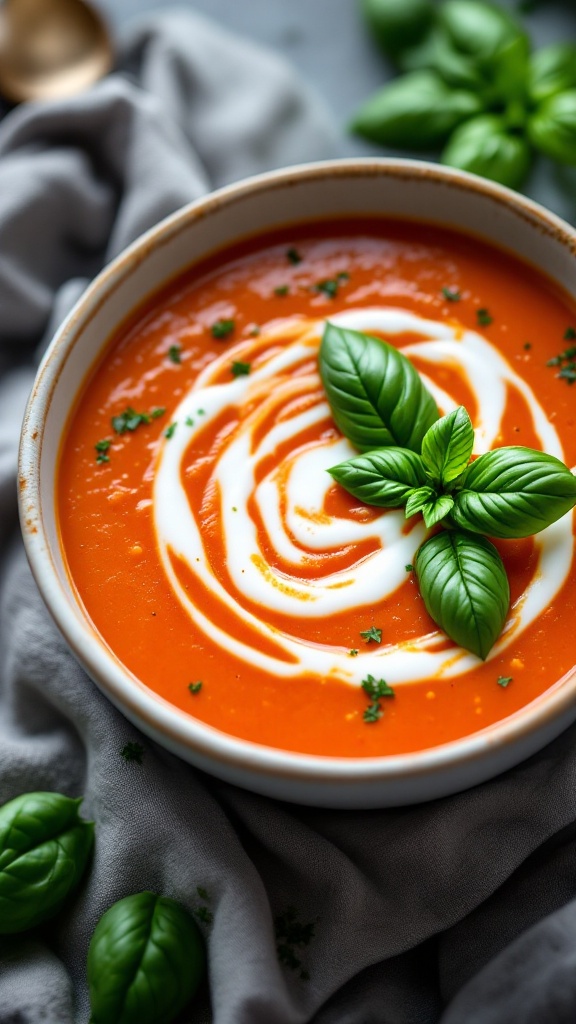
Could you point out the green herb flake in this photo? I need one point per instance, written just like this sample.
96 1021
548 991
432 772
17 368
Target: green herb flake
101 451
570 334
372 634
129 420
451 294
376 688
195 687
409 568
132 753
353 652
329 287
156 413
527 346
222 328
504 681
281 290
170 430
293 256
174 354
189 421
239 369
373 713
483 318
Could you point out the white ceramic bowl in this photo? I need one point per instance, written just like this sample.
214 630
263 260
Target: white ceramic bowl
364 187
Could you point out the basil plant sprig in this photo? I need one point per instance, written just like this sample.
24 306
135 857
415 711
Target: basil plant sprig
470 87
417 460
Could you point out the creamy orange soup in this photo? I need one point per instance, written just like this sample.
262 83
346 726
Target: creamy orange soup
219 560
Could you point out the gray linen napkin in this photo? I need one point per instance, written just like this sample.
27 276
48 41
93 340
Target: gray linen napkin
457 911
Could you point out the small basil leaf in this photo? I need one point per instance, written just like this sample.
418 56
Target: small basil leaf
465 588
506 72
376 396
435 511
552 128
437 53
44 849
447 446
477 28
552 70
385 477
398 24
420 499
417 111
513 492
484 146
145 961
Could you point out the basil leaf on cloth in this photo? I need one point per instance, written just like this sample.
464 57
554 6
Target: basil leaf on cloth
447 446
385 477
44 849
145 961
416 111
513 492
465 588
376 396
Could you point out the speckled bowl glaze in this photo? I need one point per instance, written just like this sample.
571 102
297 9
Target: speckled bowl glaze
402 188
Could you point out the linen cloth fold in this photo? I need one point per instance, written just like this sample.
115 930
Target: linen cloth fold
461 911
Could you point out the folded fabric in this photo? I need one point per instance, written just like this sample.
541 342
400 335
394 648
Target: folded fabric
398 909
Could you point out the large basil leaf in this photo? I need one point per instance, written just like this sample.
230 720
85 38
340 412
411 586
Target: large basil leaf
44 848
385 477
376 396
145 961
485 146
447 446
513 492
552 70
552 128
417 111
465 588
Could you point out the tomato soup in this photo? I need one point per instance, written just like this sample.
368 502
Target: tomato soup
217 557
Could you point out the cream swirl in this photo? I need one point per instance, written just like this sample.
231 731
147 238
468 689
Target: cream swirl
269 489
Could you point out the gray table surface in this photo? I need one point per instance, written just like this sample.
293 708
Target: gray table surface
328 42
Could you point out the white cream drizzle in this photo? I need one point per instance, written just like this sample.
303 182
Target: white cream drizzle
291 497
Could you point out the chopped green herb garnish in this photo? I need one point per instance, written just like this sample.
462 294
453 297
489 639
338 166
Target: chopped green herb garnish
504 680
195 687
133 752
293 256
155 413
353 652
129 420
189 421
566 361
169 432
239 369
200 412
101 451
281 290
409 568
373 712
174 353
483 317
568 373
527 346
222 328
451 294
570 334
376 688
371 634
330 286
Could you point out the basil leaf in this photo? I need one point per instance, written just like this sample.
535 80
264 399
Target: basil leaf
419 500
437 53
465 588
376 396
513 492
145 961
486 147
436 510
385 477
397 24
417 111
552 129
44 849
477 28
552 70
447 446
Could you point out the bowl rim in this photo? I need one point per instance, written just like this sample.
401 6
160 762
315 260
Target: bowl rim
153 712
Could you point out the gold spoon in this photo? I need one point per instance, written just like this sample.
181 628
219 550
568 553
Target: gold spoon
50 49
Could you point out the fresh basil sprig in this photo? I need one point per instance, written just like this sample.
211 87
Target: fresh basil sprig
145 961
508 493
44 849
470 84
376 396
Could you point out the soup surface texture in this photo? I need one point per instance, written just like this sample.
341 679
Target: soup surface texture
220 561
